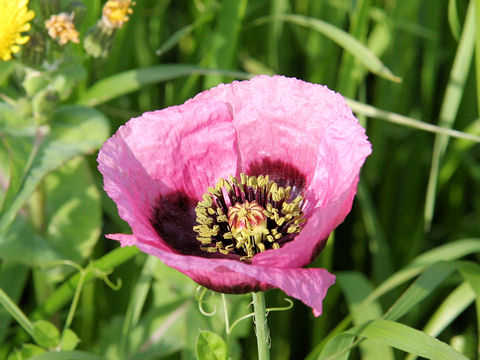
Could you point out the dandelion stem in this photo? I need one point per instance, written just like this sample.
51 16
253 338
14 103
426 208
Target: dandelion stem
261 326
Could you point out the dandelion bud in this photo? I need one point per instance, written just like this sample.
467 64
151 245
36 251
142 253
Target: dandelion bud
99 40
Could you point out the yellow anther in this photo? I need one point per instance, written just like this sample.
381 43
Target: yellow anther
222 218
298 200
292 229
204 240
244 229
214 191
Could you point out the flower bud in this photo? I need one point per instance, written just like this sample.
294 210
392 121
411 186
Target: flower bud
99 40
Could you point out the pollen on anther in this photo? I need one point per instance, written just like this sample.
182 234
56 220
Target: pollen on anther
247 215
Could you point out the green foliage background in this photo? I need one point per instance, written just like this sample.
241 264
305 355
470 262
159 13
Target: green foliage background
406 258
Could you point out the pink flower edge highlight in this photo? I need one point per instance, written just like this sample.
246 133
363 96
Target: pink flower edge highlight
157 167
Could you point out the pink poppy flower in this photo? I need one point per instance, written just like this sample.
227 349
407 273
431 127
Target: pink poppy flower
239 187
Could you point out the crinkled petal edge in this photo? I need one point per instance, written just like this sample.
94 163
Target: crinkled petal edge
307 285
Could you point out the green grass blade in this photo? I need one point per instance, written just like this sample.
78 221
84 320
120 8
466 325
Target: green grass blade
395 118
407 339
356 288
338 347
181 33
458 300
448 252
351 72
379 248
277 7
13 278
225 38
420 289
453 19
137 299
67 355
477 51
15 312
342 38
450 105
132 80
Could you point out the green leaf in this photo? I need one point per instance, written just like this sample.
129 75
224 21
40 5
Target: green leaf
26 352
45 334
420 289
132 80
73 210
224 39
356 288
342 38
13 279
458 300
453 19
375 113
69 340
20 243
67 355
182 32
77 130
448 252
407 339
210 346
337 347
450 106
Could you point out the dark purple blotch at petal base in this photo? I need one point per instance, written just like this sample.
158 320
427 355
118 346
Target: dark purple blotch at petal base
281 172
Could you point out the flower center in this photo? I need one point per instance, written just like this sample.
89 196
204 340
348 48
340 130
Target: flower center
248 215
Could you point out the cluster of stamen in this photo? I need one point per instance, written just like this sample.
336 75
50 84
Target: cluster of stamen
248 215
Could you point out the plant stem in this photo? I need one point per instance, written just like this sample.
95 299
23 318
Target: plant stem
261 326
15 312
65 292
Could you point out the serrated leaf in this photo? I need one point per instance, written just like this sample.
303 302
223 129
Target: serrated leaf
210 346
45 334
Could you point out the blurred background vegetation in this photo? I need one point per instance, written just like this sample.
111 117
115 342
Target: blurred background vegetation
407 254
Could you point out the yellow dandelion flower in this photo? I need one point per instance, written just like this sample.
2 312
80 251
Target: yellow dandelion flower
61 27
115 12
14 18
